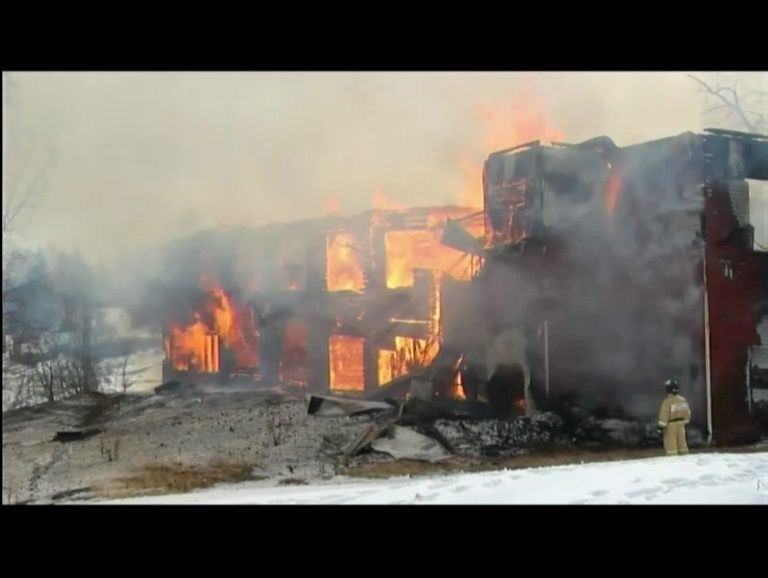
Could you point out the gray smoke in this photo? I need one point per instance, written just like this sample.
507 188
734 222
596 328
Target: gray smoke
147 157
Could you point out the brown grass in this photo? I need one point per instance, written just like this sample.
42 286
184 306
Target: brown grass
537 459
176 477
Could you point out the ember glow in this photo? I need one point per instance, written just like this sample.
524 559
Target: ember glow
344 265
346 363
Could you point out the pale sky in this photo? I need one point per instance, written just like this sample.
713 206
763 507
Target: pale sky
135 158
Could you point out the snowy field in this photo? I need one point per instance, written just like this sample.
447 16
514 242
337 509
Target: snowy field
713 478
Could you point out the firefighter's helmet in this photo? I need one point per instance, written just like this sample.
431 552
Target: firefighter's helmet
672 386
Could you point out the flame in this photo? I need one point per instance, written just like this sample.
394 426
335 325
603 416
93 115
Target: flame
421 249
344 264
472 191
612 189
193 347
220 323
410 353
346 363
457 391
521 120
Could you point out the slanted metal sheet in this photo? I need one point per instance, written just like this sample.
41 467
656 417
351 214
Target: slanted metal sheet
406 444
336 406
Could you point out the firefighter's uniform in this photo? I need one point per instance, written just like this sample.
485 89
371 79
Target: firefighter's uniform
674 415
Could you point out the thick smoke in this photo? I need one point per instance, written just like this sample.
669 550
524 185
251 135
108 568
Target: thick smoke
148 157
620 289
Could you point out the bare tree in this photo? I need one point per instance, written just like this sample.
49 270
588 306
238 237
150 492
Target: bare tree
58 370
739 101
125 380
25 168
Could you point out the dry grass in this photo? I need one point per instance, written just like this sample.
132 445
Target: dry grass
176 477
537 459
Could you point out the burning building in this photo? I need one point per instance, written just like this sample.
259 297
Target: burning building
341 304
609 270
593 273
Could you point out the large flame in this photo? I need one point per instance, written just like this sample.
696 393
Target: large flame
219 324
346 363
421 249
520 120
194 347
344 263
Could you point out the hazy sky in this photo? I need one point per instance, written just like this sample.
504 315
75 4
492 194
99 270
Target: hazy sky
134 158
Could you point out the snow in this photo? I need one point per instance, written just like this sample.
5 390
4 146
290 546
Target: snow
144 372
707 478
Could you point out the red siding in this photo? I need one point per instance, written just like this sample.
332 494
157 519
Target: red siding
733 275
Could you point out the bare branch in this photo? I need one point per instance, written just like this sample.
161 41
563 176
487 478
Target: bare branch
733 105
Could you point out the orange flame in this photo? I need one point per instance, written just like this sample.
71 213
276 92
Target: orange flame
346 363
193 348
410 353
457 391
612 189
344 264
521 120
219 324
421 249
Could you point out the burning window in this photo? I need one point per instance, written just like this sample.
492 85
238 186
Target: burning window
409 353
421 249
344 266
193 348
218 324
346 363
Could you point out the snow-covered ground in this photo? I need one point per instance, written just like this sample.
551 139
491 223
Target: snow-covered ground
707 478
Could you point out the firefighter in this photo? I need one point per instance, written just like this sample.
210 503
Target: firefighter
674 415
